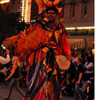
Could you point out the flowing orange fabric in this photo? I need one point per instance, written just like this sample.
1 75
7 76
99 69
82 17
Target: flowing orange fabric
43 3
63 47
28 41
66 46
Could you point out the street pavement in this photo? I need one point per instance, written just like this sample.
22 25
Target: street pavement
4 89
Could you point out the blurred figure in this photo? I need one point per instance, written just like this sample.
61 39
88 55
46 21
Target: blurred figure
89 68
3 63
15 77
3 73
78 76
88 79
70 80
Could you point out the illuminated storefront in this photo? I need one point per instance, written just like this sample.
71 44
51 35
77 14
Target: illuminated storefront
79 23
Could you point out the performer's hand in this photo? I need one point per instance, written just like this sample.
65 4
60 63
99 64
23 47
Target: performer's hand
7 51
6 79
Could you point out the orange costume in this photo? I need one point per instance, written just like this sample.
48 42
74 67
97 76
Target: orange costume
31 45
39 45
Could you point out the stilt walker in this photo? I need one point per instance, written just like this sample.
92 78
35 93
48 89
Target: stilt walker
45 47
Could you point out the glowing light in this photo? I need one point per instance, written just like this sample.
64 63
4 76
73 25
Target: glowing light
4 1
75 48
80 28
93 51
70 28
26 11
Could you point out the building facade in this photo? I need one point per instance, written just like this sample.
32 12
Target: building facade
78 19
23 7
79 22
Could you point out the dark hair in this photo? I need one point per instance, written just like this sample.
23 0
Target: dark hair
77 54
52 8
89 59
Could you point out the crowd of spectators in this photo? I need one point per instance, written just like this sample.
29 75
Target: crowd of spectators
73 81
79 76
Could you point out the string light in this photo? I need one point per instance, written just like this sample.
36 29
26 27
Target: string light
70 28
22 9
26 10
80 28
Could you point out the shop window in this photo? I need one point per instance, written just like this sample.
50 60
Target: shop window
84 9
72 11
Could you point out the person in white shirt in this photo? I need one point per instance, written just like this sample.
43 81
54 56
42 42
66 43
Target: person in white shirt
5 60
89 68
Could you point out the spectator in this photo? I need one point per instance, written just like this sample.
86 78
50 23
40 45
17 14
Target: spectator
89 68
78 76
89 77
70 79
15 77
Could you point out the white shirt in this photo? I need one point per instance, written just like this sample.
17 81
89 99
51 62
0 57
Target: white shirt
4 60
87 66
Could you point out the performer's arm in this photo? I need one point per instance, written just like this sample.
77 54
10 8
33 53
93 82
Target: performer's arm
12 72
16 63
80 77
